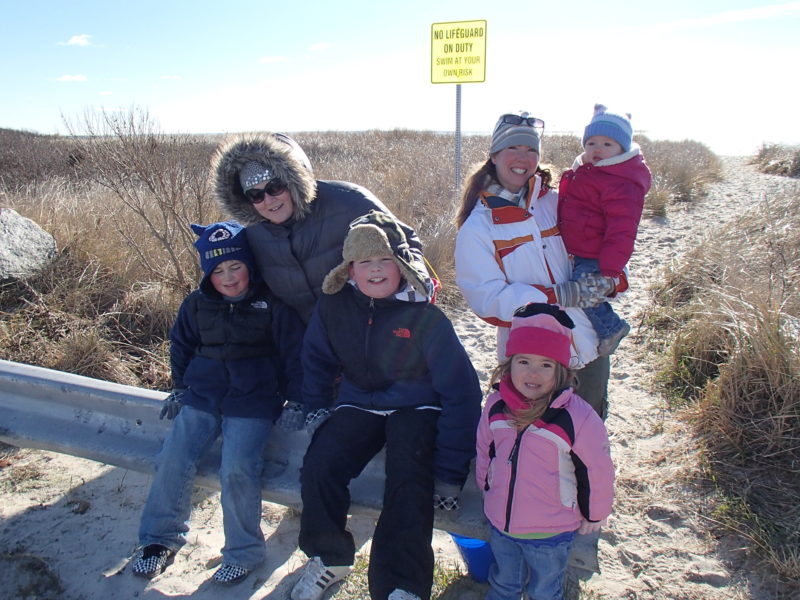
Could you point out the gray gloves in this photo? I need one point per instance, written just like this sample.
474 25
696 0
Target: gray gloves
172 404
316 418
588 291
598 284
445 496
292 418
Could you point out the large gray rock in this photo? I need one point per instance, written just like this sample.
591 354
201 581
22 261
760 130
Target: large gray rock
25 248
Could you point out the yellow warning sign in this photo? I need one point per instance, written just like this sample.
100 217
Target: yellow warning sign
458 52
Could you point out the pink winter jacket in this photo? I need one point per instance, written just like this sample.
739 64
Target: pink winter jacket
547 477
599 208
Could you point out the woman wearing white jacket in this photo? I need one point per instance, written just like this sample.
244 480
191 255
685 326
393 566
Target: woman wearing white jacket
509 252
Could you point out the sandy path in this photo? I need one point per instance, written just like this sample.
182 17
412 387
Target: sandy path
80 518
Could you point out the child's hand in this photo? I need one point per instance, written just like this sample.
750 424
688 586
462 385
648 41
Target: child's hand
291 418
591 527
445 496
172 405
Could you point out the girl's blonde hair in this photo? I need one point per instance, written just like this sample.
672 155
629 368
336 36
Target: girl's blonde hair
564 378
481 177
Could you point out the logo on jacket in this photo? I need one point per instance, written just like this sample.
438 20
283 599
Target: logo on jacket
260 304
402 332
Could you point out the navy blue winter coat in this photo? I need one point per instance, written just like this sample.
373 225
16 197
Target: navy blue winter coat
241 359
394 354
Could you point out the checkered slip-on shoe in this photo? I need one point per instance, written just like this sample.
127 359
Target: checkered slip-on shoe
152 560
229 574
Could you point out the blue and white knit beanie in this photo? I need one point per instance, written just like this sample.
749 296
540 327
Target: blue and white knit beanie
616 126
218 242
506 135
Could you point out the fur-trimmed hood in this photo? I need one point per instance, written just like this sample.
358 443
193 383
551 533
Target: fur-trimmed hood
276 151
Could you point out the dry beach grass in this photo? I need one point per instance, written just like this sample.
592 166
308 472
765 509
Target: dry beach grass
705 507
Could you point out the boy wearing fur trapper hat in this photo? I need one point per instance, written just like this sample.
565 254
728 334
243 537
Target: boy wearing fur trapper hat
543 459
600 202
406 384
232 342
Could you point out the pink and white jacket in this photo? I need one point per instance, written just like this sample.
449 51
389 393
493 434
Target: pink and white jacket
600 206
548 476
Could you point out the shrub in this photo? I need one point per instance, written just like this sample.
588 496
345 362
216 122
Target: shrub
683 168
732 313
159 184
27 157
778 159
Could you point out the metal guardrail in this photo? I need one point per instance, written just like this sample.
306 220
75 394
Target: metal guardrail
119 425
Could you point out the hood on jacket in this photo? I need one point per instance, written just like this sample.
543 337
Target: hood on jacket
277 152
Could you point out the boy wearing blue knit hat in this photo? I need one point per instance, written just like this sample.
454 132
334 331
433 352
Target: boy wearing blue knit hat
600 202
231 345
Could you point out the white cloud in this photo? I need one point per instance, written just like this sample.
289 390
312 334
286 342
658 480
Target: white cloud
106 93
171 77
72 78
77 40
269 60
319 47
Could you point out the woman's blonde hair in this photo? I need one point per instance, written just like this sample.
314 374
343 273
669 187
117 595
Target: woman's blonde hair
564 378
481 177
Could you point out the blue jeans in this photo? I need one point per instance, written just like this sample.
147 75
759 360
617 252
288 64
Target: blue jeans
602 317
166 513
533 566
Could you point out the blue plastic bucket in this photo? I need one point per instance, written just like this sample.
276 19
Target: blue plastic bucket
477 554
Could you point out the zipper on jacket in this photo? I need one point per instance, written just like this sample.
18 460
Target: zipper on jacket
370 320
513 460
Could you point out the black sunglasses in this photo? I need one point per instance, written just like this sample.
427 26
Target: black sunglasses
274 187
519 120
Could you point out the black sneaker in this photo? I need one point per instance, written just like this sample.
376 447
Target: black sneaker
152 560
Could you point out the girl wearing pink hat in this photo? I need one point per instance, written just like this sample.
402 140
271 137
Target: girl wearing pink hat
543 459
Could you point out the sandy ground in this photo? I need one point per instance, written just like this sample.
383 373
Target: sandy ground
69 525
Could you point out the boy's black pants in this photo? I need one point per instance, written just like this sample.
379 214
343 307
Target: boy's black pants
401 555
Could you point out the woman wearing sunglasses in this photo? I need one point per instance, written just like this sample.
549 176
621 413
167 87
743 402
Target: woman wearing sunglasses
509 252
296 225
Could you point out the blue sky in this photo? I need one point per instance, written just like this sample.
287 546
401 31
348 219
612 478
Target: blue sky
719 72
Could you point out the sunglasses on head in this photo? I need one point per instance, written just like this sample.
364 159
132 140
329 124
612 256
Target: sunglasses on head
519 120
274 187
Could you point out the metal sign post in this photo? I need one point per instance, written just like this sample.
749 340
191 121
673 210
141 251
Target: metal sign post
458 55
458 142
